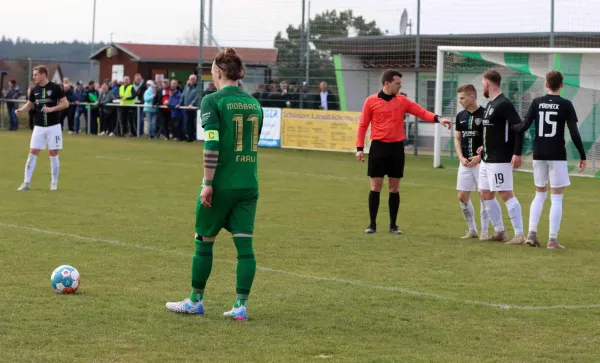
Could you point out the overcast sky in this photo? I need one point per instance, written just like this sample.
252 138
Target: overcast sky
237 23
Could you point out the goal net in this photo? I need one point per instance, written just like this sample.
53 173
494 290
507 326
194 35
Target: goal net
523 73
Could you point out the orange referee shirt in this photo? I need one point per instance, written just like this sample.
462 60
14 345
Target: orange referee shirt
385 113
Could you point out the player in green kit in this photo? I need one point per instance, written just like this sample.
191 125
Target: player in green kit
232 120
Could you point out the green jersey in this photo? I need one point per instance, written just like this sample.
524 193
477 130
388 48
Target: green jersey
238 118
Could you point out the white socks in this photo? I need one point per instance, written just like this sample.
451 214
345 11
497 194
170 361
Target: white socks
516 217
54 167
495 214
29 167
555 214
469 213
484 218
535 212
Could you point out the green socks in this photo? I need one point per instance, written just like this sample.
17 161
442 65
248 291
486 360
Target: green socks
201 267
246 269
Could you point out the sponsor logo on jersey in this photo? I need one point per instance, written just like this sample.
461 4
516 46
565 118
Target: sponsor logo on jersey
470 133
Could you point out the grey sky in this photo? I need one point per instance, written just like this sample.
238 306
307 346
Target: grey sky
238 24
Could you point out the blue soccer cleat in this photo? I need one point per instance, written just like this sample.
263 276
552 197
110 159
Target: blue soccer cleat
238 314
186 307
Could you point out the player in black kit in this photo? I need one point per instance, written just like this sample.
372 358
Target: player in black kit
468 137
501 152
48 99
550 114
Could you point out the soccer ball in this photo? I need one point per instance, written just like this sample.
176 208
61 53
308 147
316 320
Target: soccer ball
65 279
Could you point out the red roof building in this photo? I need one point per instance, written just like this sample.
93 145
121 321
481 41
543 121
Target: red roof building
155 61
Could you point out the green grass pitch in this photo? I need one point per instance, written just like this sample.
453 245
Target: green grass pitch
124 217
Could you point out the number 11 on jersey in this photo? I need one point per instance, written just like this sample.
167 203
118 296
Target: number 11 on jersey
238 120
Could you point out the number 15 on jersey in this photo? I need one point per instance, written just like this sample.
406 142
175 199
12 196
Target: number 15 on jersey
544 118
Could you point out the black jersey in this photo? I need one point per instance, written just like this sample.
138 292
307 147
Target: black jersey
47 96
500 142
471 127
550 114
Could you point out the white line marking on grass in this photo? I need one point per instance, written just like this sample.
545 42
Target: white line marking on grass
311 277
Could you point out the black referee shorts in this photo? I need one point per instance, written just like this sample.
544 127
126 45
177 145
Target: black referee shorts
386 158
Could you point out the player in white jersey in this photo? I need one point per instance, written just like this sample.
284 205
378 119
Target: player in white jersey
48 99
551 113
468 137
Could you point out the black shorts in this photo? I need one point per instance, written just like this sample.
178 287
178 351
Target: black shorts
386 158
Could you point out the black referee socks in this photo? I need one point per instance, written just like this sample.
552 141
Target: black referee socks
394 204
373 207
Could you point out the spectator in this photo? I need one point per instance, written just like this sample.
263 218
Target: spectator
294 97
306 98
164 114
126 114
69 113
210 89
139 87
92 97
189 99
114 88
108 114
79 96
327 100
270 95
12 93
259 93
281 98
149 109
32 111
176 111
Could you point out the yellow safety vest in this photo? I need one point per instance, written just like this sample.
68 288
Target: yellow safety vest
127 92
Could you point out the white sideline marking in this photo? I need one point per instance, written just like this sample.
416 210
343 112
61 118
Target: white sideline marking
319 278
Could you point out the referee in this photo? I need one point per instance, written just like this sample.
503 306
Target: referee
384 111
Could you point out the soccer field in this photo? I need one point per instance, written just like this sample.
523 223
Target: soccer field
124 217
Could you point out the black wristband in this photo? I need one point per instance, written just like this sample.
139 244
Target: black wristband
360 148
436 118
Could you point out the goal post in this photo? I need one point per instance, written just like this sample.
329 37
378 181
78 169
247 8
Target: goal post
523 71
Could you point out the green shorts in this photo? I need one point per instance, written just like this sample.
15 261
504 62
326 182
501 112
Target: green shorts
232 209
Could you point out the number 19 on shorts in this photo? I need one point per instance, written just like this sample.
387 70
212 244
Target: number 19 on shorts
499 178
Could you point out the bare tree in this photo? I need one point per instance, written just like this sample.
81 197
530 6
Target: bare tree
190 37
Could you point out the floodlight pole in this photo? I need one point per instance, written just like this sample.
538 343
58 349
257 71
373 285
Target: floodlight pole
307 69
417 67
302 30
93 38
210 22
199 87
551 23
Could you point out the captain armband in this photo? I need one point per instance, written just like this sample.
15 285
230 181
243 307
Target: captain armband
211 140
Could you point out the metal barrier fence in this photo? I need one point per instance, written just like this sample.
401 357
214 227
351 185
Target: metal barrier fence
139 119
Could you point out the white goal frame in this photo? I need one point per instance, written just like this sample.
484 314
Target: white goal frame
439 78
